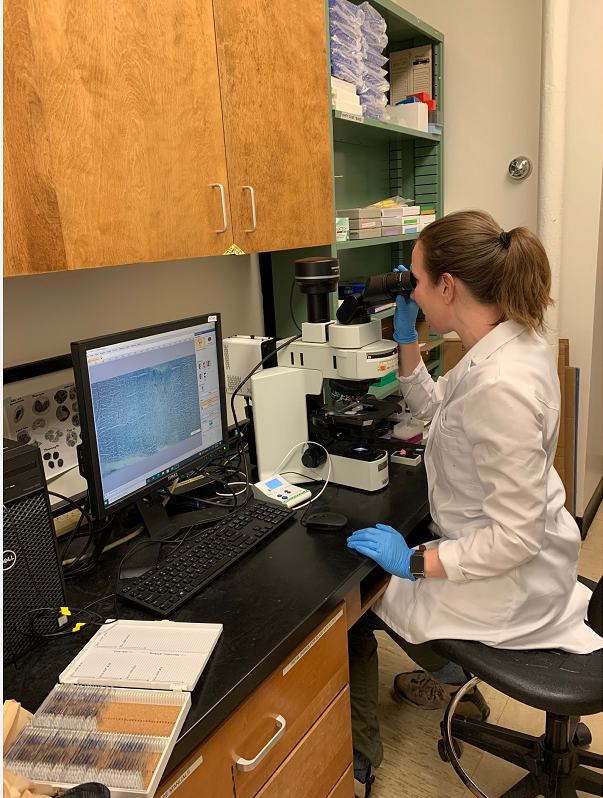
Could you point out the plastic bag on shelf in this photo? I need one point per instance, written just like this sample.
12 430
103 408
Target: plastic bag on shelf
373 79
371 55
375 112
345 9
345 35
346 69
372 18
376 40
393 202
373 98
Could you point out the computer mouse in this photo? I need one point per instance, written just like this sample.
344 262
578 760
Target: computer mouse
326 522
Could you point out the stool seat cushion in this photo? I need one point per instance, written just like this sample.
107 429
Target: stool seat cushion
548 679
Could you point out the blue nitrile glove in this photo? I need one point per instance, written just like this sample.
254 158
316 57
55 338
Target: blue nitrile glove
405 316
386 546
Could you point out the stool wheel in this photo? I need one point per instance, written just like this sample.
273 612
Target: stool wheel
442 750
582 736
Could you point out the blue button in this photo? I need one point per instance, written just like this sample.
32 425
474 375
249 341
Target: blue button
279 496
287 491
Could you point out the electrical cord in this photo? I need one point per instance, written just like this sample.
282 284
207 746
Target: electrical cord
75 530
72 502
326 482
291 304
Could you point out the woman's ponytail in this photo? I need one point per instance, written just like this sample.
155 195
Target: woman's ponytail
523 289
507 269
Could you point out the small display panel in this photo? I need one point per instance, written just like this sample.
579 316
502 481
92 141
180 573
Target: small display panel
273 484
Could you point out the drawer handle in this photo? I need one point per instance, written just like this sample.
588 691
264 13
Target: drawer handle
224 219
250 764
255 225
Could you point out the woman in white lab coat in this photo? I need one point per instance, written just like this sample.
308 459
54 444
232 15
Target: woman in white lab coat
503 569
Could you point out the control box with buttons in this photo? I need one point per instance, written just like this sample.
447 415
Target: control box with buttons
277 490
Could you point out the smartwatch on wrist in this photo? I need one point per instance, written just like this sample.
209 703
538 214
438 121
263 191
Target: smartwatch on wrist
417 562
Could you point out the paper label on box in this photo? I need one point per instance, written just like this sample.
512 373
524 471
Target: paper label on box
351 117
368 224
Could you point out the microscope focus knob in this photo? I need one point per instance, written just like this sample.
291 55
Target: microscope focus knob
314 456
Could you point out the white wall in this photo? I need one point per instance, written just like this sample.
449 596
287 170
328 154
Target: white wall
582 214
492 96
43 313
491 102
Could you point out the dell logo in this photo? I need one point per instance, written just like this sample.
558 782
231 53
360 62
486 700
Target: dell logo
8 560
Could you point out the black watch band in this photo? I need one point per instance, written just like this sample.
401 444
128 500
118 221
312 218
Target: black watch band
417 562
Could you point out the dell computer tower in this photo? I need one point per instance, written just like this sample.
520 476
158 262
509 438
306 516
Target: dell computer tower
32 573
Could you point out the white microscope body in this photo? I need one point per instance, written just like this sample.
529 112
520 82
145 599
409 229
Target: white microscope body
279 397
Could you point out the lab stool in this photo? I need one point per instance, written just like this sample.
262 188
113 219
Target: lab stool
563 685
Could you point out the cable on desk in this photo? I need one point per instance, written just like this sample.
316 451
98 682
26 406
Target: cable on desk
72 502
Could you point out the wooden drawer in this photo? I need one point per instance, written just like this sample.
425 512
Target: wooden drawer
345 786
315 766
299 690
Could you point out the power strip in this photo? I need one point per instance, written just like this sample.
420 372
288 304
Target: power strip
66 522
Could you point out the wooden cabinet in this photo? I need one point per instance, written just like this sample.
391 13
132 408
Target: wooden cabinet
113 133
275 101
114 136
309 691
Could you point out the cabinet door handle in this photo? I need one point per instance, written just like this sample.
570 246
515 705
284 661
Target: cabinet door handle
255 224
250 764
224 219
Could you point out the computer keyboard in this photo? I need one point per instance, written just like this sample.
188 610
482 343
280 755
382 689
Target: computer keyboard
207 553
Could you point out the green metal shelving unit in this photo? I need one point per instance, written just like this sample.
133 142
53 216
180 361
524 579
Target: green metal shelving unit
373 160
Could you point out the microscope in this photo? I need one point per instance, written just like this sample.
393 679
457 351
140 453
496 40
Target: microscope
318 392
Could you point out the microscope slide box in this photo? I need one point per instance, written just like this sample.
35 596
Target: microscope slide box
360 213
392 231
364 224
356 235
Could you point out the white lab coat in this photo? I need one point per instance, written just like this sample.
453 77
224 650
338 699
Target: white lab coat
508 545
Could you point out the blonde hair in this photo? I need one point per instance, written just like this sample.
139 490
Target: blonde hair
516 278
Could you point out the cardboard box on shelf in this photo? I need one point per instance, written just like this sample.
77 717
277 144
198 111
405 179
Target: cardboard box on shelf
410 72
422 328
454 352
387 329
429 349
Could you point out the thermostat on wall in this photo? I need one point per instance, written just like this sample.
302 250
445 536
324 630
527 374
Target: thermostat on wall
277 490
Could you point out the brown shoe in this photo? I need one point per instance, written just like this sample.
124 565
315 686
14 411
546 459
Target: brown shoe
418 689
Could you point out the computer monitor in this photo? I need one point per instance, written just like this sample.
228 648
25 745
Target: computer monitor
152 405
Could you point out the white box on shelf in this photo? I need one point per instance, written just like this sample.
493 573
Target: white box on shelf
425 220
411 210
343 86
342 229
396 211
348 108
413 115
391 221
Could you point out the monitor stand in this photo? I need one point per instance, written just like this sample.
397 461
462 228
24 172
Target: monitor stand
159 526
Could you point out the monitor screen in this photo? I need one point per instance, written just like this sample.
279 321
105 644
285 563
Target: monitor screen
155 404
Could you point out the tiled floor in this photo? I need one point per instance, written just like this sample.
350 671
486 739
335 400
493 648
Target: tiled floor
412 767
